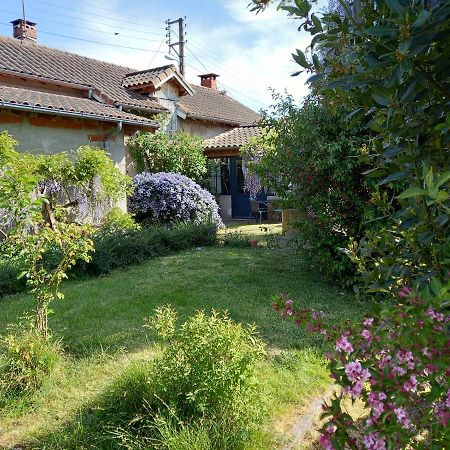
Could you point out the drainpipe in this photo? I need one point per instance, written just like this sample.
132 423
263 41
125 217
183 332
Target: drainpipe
108 135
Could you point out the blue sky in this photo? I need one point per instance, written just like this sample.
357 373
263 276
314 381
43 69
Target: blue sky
250 53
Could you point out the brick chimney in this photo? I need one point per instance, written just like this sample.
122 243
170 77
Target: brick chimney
209 80
24 30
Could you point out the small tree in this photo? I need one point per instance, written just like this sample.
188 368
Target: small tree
36 229
310 159
162 152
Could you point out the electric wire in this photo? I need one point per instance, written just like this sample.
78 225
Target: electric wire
88 21
96 42
120 35
133 22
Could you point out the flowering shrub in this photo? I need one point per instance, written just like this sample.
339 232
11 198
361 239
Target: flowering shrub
397 363
170 197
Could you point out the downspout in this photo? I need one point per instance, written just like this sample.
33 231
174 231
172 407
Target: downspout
117 130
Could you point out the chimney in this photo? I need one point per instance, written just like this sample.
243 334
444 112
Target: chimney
209 80
24 30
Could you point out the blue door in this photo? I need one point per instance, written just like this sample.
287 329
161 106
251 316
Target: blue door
240 200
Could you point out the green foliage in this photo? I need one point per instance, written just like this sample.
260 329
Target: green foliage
162 152
119 248
116 220
26 360
207 373
234 239
310 158
388 61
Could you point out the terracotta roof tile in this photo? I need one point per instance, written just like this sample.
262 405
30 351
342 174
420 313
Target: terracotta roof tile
211 104
33 59
154 76
232 139
84 107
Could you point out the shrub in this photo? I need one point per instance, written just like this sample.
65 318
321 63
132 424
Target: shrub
9 282
26 360
206 374
122 247
163 152
116 220
235 239
310 159
164 198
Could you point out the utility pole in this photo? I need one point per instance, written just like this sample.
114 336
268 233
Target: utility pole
181 40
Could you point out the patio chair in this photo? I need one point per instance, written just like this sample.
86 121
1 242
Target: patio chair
256 211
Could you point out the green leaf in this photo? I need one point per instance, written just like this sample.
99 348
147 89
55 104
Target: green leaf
317 23
442 179
412 192
300 59
381 30
303 6
429 179
421 19
381 99
395 7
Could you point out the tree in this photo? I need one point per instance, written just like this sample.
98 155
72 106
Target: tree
389 61
162 152
310 158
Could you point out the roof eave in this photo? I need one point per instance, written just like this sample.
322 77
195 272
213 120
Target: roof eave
79 115
209 119
179 79
141 108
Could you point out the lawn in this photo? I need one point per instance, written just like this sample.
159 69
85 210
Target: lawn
100 323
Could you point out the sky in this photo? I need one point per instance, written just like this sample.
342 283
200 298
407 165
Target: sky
251 53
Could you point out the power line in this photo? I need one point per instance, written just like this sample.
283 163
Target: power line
100 15
232 73
87 29
87 20
245 79
232 89
96 42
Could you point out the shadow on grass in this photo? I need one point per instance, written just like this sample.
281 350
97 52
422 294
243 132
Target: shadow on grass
107 313
122 405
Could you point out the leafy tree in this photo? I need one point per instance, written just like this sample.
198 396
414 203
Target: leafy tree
310 159
162 152
389 61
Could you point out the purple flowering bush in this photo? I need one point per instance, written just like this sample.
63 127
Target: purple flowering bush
166 198
396 363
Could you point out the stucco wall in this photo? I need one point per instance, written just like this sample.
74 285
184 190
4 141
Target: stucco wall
204 129
44 134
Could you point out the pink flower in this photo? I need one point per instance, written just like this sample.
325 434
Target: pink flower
439 317
366 334
375 400
442 410
326 443
343 344
355 372
411 384
397 370
368 322
373 441
355 390
402 418
404 292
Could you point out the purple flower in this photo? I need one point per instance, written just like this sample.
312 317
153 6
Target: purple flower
373 441
343 344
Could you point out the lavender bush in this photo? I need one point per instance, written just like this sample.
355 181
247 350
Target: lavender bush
170 197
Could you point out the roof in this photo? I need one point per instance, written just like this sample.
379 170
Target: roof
114 82
155 77
33 59
232 139
19 98
211 104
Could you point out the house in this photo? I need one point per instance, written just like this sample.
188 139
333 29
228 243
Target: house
227 180
51 100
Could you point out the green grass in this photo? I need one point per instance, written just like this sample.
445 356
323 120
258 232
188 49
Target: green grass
100 322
